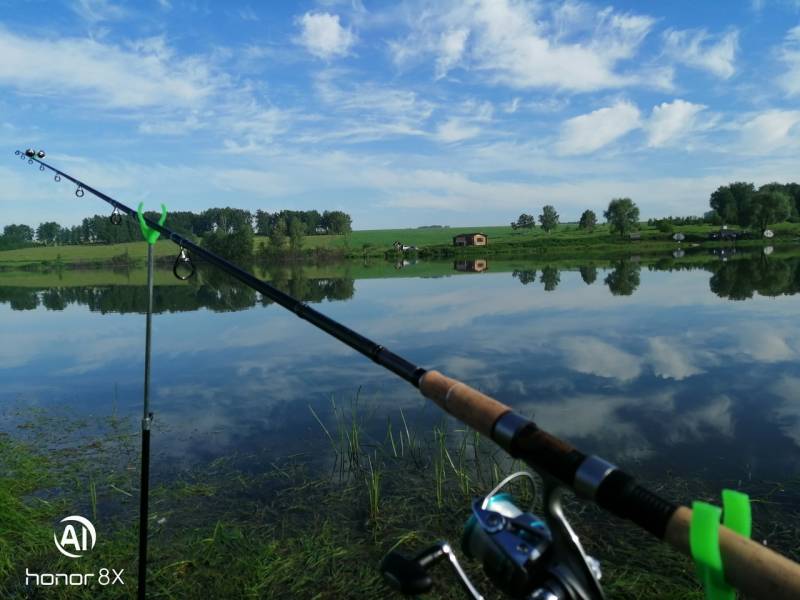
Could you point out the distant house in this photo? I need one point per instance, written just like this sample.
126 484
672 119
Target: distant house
470 239
635 235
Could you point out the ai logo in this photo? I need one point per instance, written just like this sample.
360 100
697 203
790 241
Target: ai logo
80 538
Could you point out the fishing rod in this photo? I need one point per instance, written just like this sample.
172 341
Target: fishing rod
747 565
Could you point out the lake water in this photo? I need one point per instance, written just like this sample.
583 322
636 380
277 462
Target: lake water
686 366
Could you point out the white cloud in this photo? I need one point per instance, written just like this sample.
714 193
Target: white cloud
519 45
451 49
590 132
771 130
456 130
698 49
788 411
790 55
362 111
670 362
764 345
596 357
145 74
324 37
671 121
95 11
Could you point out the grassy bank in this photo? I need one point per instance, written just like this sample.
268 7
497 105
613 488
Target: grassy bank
297 526
566 241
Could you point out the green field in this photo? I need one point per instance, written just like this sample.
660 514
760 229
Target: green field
81 254
567 240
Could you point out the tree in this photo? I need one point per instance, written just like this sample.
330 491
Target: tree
277 237
18 233
732 202
47 232
548 219
525 221
622 215
664 225
550 278
336 222
263 222
792 191
296 231
768 207
234 246
525 277
588 274
588 220
624 279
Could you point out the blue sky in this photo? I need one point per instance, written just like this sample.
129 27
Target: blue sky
401 113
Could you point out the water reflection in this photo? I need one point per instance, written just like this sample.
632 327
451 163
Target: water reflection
624 279
210 289
644 361
471 266
736 279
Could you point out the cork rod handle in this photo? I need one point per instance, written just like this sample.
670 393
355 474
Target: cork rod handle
466 404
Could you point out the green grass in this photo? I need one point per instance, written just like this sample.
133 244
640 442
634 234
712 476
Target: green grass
290 530
86 278
82 253
567 239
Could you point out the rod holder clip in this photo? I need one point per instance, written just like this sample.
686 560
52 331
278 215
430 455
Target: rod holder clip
150 235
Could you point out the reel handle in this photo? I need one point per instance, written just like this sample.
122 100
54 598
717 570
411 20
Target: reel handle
408 575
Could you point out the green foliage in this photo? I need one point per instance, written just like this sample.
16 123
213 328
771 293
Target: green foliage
525 221
525 276
624 279
588 221
277 238
732 202
21 233
337 222
47 232
768 207
664 225
311 221
792 191
236 246
548 219
588 274
622 215
296 231
550 278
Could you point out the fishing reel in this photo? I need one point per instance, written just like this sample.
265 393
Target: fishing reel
525 556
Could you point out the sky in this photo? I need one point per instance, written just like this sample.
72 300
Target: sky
404 113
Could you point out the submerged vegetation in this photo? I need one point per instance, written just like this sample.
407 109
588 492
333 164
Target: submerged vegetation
301 525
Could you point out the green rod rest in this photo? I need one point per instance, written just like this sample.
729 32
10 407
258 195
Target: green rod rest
704 539
150 235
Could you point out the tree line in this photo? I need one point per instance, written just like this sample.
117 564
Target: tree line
737 203
213 223
622 215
